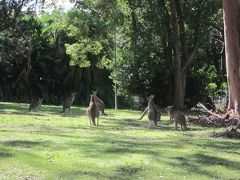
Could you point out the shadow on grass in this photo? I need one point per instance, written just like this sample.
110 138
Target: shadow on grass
22 109
125 124
126 172
195 164
25 144
5 155
190 166
15 106
21 113
206 160
217 145
75 111
83 173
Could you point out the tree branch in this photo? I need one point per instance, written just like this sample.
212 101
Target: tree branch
204 109
191 56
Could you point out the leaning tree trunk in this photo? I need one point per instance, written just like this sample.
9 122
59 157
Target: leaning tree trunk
231 13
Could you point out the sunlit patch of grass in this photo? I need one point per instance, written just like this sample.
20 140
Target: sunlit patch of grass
51 145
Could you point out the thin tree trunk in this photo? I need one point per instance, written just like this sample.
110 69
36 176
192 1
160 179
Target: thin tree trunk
27 76
231 10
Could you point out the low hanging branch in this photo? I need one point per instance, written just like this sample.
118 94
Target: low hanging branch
204 109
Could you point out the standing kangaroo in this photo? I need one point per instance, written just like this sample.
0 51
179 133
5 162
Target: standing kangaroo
68 102
177 117
100 103
93 111
153 111
35 104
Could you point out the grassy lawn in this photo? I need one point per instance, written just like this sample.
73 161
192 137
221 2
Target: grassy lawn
51 145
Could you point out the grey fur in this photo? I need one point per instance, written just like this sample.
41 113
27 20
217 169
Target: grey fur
93 111
35 104
178 117
100 103
154 114
68 102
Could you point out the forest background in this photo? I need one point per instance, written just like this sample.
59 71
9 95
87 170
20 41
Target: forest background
48 51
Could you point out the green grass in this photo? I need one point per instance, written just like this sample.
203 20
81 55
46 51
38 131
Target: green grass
50 145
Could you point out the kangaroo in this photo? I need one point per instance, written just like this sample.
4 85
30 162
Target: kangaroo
177 117
93 111
159 112
68 102
153 111
35 104
100 103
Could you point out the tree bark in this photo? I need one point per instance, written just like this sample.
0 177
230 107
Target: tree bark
231 10
178 100
181 58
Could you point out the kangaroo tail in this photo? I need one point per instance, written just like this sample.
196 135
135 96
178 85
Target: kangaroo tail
103 113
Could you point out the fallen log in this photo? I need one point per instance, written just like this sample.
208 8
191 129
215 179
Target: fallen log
204 109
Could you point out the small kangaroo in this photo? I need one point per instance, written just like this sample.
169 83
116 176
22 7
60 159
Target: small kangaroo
100 103
177 117
153 111
93 111
68 102
35 104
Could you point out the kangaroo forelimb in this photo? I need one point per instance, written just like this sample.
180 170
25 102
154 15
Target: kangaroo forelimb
143 114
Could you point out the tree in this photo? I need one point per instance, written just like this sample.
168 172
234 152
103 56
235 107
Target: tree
231 15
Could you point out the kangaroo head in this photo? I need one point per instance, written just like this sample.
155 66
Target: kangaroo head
94 93
169 108
73 93
151 97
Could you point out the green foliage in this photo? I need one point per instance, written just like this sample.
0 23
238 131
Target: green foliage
218 95
79 52
75 50
211 87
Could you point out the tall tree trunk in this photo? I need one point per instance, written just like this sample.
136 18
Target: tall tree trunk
178 100
181 58
27 75
179 79
231 13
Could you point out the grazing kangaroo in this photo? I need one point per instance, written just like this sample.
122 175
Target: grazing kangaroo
177 117
68 102
93 111
153 111
35 104
100 103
